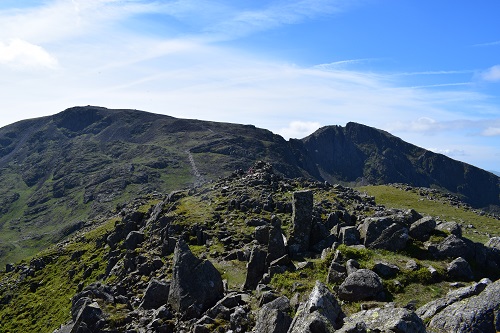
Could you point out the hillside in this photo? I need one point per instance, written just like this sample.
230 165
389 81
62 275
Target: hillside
59 172
269 249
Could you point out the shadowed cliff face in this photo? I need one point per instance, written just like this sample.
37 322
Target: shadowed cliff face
56 171
359 153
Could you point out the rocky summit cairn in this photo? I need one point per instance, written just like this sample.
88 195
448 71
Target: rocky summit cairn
196 284
302 206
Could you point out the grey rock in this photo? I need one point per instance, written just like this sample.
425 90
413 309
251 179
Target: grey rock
156 295
273 317
421 229
349 235
412 265
386 270
383 233
432 308
450 227
321 312
452 247
134 238
302 222
479 313
386 319
336 273
276 245
256 268
262 234
351 266
460 269
196 284
361 285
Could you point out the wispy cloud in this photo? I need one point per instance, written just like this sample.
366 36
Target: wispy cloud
491 131
495 43
492 74
449 152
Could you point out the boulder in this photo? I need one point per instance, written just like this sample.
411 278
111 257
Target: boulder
134 238
452 247
459 269
474 314
421 229
273 317
156 295
302 206
336 273
196 284
349 235
351 266
261 234
383 233
386 270
321 313
451 227
361 285
428 310
387 319
276 245
256 268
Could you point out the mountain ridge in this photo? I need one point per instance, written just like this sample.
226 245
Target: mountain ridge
59 170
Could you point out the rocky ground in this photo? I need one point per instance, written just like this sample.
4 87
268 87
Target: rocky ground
255 252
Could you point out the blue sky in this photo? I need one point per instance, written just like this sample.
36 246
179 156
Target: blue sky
426 71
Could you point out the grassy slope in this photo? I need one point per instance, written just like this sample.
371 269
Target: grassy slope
393 197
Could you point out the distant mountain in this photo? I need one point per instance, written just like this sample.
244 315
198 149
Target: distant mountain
59 170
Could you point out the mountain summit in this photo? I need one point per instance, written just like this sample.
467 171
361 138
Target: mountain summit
59 170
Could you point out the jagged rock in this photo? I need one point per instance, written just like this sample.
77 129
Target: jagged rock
386 270
321 313
386 320
460 269
349 235
155 295
134 238
302 222
351 266
9 267
196 284
88 318
361 285
383 233
474 314
421 229
256 268
262 234
336 273
273 317
276 246
452 247
450 227
430 309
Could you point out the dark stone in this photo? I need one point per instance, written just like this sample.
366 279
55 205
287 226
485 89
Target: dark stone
351 266
361 285
459 269
386 270
276 246
262 234
349 235
134 238
452 247
302 222
155 295
256 268
383 233
273 317
196 284
421 229
336 273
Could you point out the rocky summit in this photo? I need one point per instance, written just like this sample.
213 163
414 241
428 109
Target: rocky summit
59 172
256 251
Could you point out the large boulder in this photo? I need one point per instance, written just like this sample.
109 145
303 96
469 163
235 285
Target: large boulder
321 313
196 284
459 269
386 319
302 207
452 247
361 285
156 295
421 229
450 227
273 317
383 233
479 313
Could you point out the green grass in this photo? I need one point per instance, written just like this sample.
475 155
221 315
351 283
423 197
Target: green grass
392 197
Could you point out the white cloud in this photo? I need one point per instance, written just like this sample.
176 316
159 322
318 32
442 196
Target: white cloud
21 54
491 131
449 152
298 129
492 74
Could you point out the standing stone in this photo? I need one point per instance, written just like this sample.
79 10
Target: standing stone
196 284
256 268
302 207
